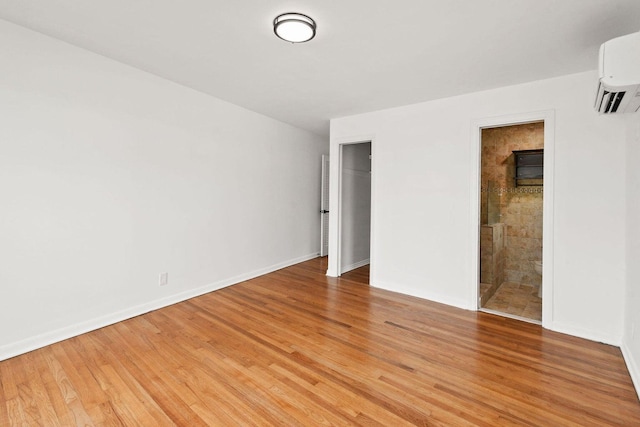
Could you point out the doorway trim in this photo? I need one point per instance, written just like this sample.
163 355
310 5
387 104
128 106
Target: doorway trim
335 202
324 205
548 117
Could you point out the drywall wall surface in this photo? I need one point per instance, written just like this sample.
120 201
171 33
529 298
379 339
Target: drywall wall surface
631 337
422 180
110 176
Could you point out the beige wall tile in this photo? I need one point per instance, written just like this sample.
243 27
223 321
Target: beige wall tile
521 212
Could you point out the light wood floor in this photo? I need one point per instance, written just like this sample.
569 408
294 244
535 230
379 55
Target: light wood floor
296 348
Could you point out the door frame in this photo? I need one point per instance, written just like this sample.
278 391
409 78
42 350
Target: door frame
324 189
548 117
335 200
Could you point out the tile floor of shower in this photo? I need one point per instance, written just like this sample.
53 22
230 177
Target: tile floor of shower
516 299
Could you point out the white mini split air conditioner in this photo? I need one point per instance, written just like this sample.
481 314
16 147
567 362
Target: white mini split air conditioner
619 83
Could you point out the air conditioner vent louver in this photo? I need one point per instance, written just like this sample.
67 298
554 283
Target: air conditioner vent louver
610 102
619 83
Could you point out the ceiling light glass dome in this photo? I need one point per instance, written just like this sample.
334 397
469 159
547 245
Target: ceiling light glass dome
294 27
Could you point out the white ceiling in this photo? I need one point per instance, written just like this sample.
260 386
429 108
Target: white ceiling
367 55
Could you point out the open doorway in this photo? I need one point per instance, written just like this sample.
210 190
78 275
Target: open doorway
355 206
511 220
352 222
548 118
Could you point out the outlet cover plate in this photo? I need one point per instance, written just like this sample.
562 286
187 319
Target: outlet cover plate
163 279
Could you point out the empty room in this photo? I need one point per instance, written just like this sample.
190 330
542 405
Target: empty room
218 213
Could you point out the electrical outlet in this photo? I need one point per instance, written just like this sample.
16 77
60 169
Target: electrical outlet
163 279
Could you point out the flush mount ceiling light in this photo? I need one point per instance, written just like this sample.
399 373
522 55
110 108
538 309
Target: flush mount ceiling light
294 27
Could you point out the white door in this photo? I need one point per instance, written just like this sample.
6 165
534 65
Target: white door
324 208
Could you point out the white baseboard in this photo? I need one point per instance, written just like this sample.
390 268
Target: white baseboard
614 340
632 366
355 265
32 343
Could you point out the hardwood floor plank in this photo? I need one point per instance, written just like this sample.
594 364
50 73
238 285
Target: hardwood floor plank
63 414
108 415
295 347
67 391
39 399
4 410
15 413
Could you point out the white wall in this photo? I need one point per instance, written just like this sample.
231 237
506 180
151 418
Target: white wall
109 176
422 183
356 206
631 338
